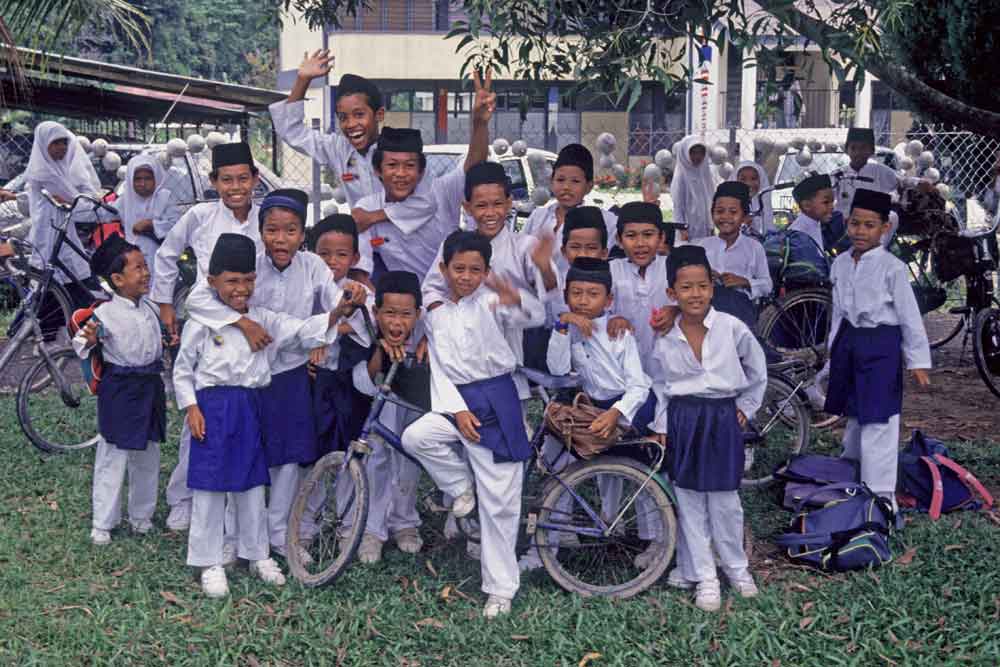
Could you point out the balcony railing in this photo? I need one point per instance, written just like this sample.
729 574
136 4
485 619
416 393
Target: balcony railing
778 107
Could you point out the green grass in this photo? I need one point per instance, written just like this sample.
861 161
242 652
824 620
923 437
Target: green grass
64 602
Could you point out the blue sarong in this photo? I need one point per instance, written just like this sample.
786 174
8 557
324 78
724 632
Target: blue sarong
866 373
287 418
705 443
132 405
231 457
496 405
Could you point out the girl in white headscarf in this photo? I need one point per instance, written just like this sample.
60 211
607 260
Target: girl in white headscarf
58 164
752 175
692 187
147 207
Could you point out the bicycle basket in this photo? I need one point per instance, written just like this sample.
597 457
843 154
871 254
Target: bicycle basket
924 214
954 256
571 423
929 297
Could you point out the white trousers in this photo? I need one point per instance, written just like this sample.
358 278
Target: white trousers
177 488
285 481
707 518
876 446
208 516
432 440
110 466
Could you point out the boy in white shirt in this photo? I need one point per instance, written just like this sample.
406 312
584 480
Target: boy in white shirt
815 198
471 367
860 147
876 330
713 379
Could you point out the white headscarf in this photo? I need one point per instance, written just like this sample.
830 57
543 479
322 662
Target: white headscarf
763 220
134 208
693 187
67 177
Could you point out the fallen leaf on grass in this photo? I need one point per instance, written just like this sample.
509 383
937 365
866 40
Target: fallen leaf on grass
837 638
807 606
118 573
171 598
57 588
799 587
806 622
430 568
430 622
588 658
907 556
843 618
954 547
992 516
71 607
776 663
252 660
888 660
892 636
946 591
520 638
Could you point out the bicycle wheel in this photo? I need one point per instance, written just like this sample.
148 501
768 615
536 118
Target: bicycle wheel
986 347
327 519
55 408
798 324
783 428
604 565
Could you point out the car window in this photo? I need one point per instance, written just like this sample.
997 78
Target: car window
514 168
439 164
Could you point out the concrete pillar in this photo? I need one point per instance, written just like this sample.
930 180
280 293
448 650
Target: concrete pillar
863 105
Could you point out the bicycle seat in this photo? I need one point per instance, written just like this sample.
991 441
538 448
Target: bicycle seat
554 382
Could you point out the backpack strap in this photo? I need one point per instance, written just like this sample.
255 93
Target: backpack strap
937 492
966 477
839 486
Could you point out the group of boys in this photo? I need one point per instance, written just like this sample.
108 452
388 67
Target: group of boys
276 356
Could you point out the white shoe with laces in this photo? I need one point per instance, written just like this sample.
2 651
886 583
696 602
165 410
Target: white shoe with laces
179 517
464 504
744 585
213 582
268 571
708 595
496 606
100 537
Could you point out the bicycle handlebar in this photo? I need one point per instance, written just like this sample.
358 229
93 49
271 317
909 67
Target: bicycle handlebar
71 206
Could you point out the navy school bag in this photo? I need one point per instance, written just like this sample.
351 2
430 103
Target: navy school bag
851 533
794 259
804 474
930 481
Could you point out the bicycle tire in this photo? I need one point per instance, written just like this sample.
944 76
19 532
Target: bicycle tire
784 417
940 323
333 548
986 347
575 476
41 383
56 309
788 325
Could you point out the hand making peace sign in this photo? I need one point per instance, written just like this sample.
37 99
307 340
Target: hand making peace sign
486 100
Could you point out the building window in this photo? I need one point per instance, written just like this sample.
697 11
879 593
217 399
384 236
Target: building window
399 16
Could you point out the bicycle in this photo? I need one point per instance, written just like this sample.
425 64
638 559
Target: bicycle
596 553
55 409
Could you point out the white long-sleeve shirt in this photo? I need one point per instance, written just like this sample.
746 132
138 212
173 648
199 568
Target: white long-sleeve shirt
732 366
607 367
211 357
304 286
884 179
407 245
874 291
199 228
635 297
129 333
356 171
543 221
466 342
359 330
810 227
745 258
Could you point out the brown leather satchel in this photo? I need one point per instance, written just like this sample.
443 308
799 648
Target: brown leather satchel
570 423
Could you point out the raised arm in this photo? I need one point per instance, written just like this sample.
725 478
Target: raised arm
288 115
483 105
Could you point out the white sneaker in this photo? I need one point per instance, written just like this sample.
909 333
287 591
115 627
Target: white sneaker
180 516
451 529
268 571
464 504
530 561
744 585
100 537
495 606
305 558
408 540
370 550
708 596
142 527
646 558
675 580
213 582
228 553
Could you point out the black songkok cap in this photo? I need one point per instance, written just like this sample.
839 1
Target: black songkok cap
485 173
590 270
352 84
400 140
872 200
397 282
105 255
639 211
686 255
736 190
338 222
576 155
233 252
810 186
861 135
225 155
585 217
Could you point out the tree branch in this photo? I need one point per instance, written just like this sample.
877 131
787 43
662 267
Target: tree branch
941 105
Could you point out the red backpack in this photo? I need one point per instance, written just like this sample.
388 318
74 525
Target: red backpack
93 365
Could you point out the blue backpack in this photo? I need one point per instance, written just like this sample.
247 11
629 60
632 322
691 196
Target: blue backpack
930 481
849 533
794 259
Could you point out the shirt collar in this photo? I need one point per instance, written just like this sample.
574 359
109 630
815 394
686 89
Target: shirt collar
124 301
676 332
